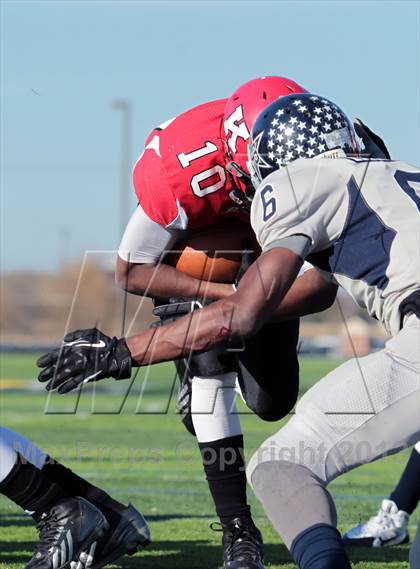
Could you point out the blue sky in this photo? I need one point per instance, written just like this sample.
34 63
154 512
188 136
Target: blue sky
62 64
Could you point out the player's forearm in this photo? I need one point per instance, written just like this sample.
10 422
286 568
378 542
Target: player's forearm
309 294
91 355
262 288
164 281
220 323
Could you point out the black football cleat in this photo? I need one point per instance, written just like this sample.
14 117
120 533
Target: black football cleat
242 545
64 531
130 534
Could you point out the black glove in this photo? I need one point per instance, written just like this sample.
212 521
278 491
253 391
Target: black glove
373 144
84 356
176 308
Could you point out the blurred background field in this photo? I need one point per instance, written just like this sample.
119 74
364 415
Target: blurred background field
150 460
82 84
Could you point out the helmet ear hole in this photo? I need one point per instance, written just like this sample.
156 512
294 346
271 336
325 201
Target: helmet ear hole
307 114
287 111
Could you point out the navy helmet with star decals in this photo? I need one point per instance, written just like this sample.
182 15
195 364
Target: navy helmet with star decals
298 126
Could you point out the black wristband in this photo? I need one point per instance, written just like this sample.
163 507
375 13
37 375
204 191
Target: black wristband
123 360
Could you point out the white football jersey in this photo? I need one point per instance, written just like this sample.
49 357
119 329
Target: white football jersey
362 218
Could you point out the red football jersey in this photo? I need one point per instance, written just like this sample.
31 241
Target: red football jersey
180 179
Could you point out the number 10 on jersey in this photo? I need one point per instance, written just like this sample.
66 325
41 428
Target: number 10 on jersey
197 180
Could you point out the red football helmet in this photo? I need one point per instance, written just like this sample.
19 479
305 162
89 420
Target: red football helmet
241 111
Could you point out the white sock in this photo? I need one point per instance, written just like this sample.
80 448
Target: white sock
213 407
12 443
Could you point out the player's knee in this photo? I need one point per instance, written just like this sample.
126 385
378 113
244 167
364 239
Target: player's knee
300 443
269 413
266 454
273 409
287 479
287 402
273 406
263 411
261 475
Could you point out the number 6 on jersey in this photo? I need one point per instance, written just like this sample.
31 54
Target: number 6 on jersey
269 203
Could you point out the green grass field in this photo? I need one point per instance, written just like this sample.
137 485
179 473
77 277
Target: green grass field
136 448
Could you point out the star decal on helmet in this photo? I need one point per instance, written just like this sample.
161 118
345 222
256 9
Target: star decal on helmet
257 159
309 126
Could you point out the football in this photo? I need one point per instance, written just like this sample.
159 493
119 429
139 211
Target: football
214 253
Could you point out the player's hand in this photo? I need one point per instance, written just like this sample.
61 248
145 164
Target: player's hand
84 356
373 144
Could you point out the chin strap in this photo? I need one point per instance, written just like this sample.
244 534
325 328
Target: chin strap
242 197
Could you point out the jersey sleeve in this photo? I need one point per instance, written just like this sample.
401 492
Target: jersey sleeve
304 268
153 191
296 207
144 240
